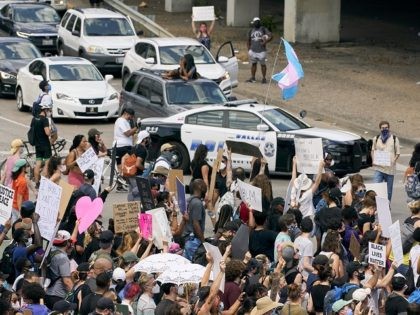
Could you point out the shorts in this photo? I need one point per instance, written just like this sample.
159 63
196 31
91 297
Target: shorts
43 153
259 57
120 152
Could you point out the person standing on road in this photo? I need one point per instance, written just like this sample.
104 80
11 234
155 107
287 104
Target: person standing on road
389 146
124 131
79 146
258 37
95 140
203 33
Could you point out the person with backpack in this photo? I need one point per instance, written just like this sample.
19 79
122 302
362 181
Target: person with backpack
388 144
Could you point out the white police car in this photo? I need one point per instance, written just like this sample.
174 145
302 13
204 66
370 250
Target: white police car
270 128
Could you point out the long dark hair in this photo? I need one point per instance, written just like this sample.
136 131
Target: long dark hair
225 215
190 64
76 141
200 155
94 143
53 164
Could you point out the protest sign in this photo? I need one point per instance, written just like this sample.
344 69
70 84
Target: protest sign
126 216
354 247
384 215
97 168
377 254
86 160
216 165
381 189
6 203
161 229
397 250
66 192
146 225
381 158
244 148
87 211
172 175
217 257
145 193
309 154
48 206
251 195
180 196
205 13
240 242
50 245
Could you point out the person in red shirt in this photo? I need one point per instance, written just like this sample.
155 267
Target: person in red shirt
20 186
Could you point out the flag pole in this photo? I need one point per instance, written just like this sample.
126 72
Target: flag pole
272 72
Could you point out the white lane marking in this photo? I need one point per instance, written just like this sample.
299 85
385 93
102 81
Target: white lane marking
14 122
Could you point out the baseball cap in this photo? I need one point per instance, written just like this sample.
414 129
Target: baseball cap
398 281
64 306
354 266
105 304
142 135
161 170
130 257
15 145
93 132
19 163
255 19
166 146
27 206
118 274
361 294
321 260
89 174
106 236
335 193
338 305
83 267
61 237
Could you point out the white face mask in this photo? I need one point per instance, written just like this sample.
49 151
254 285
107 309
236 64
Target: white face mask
156 289
48 114
222 166
180 290
29 242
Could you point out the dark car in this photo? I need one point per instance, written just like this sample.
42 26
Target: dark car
34 21
152 96
14 54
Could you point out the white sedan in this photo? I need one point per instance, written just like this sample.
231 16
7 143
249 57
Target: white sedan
78 89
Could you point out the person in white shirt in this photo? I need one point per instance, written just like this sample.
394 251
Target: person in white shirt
304 247
415 255
146 305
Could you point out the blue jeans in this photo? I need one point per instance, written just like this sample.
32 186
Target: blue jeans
379 177
191 245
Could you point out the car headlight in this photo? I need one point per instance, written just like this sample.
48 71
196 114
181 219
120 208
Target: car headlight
96 50
225 76
113 96
65 97
5 75
23 34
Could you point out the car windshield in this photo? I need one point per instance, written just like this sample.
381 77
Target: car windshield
18 50
170 55
36 14
282 120
194 93
108 27
74 73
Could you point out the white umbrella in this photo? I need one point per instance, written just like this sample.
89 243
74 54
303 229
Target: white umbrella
192 273
158 263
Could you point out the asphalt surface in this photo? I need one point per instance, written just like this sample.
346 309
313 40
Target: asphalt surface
14 124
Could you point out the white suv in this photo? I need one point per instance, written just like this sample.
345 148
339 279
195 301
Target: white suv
99 35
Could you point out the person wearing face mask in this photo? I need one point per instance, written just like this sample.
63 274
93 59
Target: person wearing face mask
350 220
221 178
146 305
387 145
166 158
367 215
396 303
170 294
342 307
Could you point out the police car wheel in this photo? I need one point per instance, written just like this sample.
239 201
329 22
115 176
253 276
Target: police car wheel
183 159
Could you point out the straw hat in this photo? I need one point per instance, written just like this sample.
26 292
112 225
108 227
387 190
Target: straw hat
264 305
303 182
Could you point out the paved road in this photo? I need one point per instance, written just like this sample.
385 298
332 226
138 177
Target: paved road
13 124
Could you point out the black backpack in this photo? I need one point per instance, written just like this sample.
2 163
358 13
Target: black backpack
31 132
36 106
6 264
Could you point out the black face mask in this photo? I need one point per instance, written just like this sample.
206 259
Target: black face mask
257 24
361 276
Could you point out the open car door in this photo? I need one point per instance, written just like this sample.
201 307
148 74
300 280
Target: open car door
227 59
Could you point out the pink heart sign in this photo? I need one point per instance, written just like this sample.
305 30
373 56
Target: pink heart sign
87 211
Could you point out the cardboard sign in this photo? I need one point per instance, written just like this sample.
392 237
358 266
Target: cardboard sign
354 247
240 242
377 254
244 148
180 196
251 195
48 206
173 174
309 154
397 250
384 215
203 13
66 192
381 189
87 211
217 257
145 193
216 165
87 159
146 225
126 216
381 158
161 228
6 203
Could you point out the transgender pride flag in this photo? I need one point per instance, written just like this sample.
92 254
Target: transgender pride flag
288 79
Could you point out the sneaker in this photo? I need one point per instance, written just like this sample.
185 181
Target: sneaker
264 81
121 189
251 80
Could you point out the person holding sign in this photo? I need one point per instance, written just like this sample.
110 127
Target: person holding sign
385 153
79 146
203 32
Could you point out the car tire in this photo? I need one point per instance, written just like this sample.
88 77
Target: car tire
60 49
183 161
19 101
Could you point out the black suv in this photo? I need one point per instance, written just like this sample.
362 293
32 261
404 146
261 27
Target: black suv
152 96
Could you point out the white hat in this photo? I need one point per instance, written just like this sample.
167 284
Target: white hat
361 294
118 274
255 19
142 135
61 237
303 182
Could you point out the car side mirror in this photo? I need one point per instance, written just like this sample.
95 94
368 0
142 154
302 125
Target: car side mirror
108 77
150 60
155 99
262 127
38 77
222 59
140 33
75 33
302 114
232 98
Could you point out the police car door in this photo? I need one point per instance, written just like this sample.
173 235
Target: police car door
243 127
206 128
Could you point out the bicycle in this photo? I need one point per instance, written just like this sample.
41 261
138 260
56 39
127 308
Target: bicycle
111 163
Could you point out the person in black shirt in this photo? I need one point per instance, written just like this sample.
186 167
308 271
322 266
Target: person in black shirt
396 303
200 169
275 213
140 150
261 241
103 281
168 300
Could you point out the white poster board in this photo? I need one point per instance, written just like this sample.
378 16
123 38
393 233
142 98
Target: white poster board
87 159
48 206
217 257
377 254
97 168
397 250
6 203
309 154
384 215
381 189
161 228
203 13
251 195
382 158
